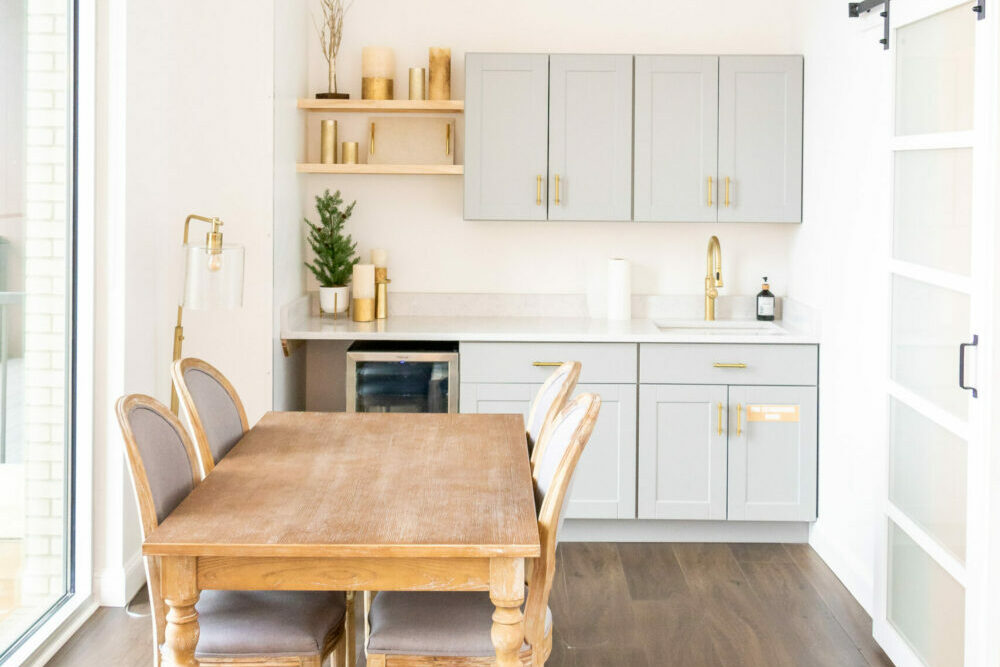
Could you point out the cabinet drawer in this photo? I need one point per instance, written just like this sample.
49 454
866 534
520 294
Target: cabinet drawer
516 362
682 363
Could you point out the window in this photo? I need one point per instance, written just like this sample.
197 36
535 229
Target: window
37 322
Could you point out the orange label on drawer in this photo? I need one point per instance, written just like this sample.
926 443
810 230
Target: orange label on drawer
773 413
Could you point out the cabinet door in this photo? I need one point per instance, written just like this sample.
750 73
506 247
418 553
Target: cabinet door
772 453
604 480
760 138
676 138
590 138
682 452
506 123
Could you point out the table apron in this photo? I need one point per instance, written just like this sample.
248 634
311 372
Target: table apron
343 573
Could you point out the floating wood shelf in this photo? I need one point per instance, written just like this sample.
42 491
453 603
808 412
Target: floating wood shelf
382 106
425 169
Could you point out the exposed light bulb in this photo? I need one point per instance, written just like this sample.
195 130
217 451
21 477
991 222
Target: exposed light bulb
215 261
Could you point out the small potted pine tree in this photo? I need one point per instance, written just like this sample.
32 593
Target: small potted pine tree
335 252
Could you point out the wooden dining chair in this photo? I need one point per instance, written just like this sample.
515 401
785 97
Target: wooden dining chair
214 409
238 628
424 629
549 402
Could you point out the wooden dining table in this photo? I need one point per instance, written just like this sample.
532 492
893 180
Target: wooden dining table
357 502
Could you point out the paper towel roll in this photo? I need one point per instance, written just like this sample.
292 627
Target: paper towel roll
619 289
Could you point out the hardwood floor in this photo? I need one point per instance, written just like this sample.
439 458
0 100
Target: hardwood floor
640 605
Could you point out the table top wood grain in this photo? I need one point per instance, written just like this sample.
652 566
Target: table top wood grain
363 485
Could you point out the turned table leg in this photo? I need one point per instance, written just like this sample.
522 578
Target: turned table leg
179 586
507 595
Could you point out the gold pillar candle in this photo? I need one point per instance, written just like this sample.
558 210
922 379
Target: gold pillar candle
363 283
439 80
349 152
328 142
362 310
378 67
418 90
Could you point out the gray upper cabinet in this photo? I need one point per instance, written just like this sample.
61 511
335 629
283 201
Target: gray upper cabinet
506 136
760 139
682 452
590 137
772 453
676 138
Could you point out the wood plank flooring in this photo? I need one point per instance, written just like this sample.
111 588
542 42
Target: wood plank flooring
641 605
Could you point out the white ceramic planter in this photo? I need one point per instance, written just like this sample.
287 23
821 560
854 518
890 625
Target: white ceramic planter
334 299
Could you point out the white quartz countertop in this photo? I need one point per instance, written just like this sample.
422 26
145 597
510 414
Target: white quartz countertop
536 329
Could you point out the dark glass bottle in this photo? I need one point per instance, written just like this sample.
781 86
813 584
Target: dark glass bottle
765 303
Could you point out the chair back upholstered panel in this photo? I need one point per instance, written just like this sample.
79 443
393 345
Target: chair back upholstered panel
213 407
562 444
549 402
164 470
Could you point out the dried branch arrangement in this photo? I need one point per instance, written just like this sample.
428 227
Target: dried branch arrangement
330 32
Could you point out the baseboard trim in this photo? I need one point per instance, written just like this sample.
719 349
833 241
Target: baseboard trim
639 530
48 647
116 586
858 580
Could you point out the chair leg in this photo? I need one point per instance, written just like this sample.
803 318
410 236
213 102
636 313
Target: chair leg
369 596
338 658
350 632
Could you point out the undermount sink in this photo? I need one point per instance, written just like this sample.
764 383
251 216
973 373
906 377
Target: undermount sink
720 327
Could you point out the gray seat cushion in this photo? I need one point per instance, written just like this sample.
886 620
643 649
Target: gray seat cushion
266 623
447 624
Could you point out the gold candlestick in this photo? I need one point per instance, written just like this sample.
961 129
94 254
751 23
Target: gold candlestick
381 292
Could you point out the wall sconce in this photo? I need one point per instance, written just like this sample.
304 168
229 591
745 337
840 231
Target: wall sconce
213 280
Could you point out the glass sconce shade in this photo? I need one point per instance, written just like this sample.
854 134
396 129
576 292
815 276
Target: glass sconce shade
213 280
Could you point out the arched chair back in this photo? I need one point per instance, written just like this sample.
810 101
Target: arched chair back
164 470
213 408
549 402
563 443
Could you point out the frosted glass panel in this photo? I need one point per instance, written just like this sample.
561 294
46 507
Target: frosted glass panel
927 478
934 73
932 221
928 325
926 605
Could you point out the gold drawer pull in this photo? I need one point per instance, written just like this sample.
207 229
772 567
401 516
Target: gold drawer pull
739 419
727 192
447 139
557 189
538 191
371 143
546 363
710 191
720 418
719 364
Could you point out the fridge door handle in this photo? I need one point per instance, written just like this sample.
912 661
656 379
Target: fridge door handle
961 365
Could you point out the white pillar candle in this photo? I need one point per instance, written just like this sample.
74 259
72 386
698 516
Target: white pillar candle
364 281
378 62
379 258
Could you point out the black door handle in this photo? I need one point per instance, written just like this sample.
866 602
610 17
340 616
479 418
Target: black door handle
961 365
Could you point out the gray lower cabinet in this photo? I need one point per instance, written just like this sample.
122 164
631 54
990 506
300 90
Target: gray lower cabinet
760 139
682 452
676 138
506 129
590 137
772 453
604 481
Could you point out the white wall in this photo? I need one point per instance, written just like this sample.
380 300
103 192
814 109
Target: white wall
419 219
838 265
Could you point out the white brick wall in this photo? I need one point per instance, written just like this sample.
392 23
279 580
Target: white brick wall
45 303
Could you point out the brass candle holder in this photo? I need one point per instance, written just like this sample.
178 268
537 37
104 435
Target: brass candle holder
381 292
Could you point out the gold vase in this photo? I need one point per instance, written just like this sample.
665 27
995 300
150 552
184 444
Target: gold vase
328 142
439 80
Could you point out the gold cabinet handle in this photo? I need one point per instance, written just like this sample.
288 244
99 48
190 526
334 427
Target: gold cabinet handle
538 191
719 364
557 189
709 191
544 364
371 142
447 139
727 192
739 419
720 418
